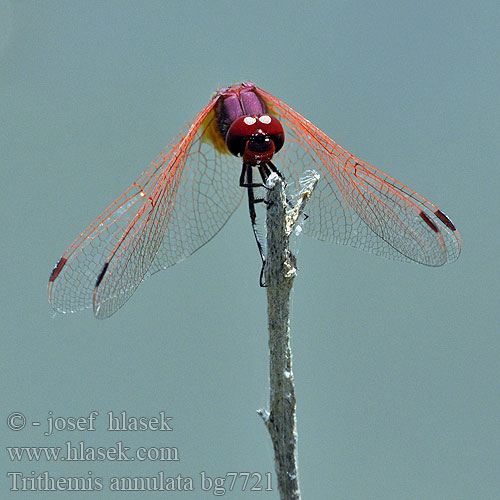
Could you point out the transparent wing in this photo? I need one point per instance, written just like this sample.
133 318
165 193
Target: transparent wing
355 204
178 204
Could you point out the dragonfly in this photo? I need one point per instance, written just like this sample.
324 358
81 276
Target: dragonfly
188 193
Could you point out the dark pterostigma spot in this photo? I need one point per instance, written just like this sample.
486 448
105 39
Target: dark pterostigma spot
429 222
445 220
57 268
101 274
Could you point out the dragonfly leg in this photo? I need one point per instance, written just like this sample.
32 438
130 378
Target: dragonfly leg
266 171
246 180
273 168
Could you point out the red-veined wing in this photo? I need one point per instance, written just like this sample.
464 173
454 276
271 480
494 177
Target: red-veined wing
178 204
357 205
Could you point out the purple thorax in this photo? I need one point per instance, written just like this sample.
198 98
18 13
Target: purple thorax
236 101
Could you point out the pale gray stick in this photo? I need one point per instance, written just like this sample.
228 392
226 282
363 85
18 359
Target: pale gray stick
279 274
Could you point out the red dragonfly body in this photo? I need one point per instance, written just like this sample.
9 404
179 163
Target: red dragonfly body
189 192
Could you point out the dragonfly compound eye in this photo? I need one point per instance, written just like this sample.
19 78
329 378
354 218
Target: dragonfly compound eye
259 134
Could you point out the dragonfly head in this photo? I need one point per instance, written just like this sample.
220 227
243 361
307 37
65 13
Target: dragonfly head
255 138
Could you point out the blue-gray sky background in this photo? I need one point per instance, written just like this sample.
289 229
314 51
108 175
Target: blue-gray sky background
397 366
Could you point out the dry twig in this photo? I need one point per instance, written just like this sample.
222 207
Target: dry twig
280 272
